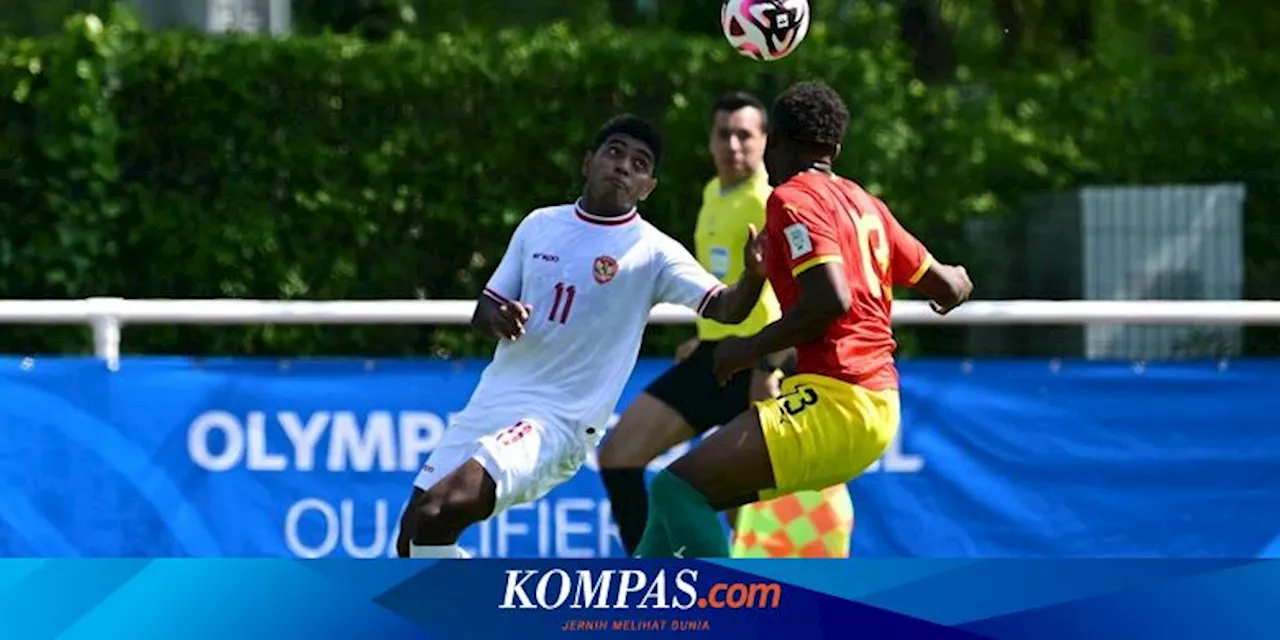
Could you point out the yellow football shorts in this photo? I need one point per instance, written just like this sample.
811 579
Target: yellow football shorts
822 432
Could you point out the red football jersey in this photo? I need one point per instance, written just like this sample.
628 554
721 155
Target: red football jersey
816 218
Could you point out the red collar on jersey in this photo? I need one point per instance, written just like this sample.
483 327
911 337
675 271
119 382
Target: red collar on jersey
609 221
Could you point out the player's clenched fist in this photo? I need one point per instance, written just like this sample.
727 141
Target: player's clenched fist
511 319
961 288
731 356
503 320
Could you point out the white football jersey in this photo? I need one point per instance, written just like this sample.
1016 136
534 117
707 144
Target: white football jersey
592 282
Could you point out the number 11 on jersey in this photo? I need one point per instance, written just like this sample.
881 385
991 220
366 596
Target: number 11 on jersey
564 294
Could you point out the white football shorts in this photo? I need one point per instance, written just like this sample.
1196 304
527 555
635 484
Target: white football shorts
526 458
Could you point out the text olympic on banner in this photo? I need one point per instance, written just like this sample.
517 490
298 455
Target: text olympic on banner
250 458
566 524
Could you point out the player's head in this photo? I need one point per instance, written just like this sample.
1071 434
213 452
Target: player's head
808 124
738 130
620 167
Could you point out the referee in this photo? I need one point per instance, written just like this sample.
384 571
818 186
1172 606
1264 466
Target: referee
687 401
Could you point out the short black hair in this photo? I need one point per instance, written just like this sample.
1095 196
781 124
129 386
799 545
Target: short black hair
734 100
632 125
810 113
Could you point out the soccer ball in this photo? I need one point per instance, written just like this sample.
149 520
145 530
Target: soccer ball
765 29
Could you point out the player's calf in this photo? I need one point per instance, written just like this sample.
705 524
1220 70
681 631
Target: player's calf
436 518
647 428
727 470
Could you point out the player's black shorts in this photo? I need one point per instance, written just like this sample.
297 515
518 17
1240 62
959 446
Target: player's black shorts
691 389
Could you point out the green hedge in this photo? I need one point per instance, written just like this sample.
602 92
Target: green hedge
173 165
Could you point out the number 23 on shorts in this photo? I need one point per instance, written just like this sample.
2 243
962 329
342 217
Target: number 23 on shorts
798 399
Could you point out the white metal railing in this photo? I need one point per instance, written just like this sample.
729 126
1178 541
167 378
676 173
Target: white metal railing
106 316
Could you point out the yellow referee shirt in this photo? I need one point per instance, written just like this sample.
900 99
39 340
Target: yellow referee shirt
719 238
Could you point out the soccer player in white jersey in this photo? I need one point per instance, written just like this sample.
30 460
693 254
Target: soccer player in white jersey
568 303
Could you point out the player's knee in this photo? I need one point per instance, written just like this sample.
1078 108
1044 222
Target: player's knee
617 453
622 450
646 429
446 513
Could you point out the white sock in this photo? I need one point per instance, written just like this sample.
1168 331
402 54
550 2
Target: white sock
451 551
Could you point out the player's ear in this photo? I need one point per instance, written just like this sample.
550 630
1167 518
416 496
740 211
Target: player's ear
647 187
586 163
837 152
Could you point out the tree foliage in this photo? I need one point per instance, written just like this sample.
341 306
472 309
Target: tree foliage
327 167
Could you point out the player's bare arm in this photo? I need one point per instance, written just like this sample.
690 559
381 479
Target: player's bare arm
732 305
501 320
946 286
824 297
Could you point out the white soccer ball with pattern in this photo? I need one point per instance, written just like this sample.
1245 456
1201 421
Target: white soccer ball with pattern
765 29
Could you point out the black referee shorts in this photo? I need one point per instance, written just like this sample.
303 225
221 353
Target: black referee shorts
691 389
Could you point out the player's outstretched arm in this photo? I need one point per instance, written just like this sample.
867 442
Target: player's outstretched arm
824 297
733 304
947 286
683 281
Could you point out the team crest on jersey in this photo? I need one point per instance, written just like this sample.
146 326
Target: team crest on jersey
604 269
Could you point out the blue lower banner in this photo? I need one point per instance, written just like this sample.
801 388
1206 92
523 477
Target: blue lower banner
312 459
248 599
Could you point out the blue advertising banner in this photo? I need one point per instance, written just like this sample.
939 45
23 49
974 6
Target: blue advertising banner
242 457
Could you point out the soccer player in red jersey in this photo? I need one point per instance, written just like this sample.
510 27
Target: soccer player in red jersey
833 255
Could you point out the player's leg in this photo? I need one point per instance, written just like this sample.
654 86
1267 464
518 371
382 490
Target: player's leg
683 402
818 433
647 428
728 469
723 403
804 524
515 465
764 385
437 517
451 491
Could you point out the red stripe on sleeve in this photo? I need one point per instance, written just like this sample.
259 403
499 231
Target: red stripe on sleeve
495 296
706 298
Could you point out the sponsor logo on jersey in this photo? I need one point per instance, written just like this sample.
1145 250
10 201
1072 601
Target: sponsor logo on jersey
799 239
604 269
